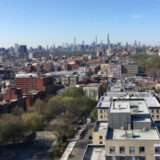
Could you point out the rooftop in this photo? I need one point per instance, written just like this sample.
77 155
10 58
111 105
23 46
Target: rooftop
152 102
134 106
104 104
124 94
136 134
101 126
94 152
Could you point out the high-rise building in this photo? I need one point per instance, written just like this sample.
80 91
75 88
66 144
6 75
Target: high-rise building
75 43
96 43
108 41
16 49
22 50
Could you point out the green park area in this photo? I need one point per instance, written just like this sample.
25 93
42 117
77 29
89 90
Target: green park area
66 110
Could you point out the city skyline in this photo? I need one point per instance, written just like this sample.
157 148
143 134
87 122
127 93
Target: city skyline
51 22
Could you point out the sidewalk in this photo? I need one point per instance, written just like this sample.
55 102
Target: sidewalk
72 144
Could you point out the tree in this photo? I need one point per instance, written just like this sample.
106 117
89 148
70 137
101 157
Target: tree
73 92
32 121
60 128
11 129
55 107
39 106
18 111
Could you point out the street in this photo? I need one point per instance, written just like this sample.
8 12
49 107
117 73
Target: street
81 144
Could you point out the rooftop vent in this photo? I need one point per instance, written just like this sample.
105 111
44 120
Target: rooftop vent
128 134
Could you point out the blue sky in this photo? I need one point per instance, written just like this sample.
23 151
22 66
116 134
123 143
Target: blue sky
42 22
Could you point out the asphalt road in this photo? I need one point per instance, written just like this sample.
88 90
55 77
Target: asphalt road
80 146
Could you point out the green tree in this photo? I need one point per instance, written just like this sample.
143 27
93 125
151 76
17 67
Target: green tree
32 121
11 129
39 106
73 92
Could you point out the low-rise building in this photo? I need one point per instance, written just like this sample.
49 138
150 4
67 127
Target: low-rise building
29 82
93 90
129 69
129 133
70 80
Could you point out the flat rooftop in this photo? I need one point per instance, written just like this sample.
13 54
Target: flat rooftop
104 98
136 134
101 126
152 102
133 106
124 94
120 106
94 153
104 104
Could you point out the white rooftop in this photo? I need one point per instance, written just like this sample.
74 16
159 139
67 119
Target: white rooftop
152 102
136 134
124 94
120 106
101 126
104 104
129 106
26 75
95 153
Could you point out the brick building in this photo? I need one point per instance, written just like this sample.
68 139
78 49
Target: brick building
114 70
29 82
10 98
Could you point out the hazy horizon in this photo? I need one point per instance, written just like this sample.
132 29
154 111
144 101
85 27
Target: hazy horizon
48 22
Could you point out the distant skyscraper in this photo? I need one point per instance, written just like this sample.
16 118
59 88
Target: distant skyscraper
16 49
74 41
101 44
108 41
126 44
139 45
30 55
96 41
108 51
23 50
135 44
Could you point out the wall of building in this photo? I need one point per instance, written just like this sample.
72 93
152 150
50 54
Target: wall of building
148 144
99 137
117 121
155 113
102 114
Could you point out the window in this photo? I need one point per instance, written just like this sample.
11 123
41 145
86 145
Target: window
157 150
157 158
157 111
121 150
100 111
141 150
152 111
100 142
101 116
112 150
133 158
157 116
100 137
131 150
152 116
